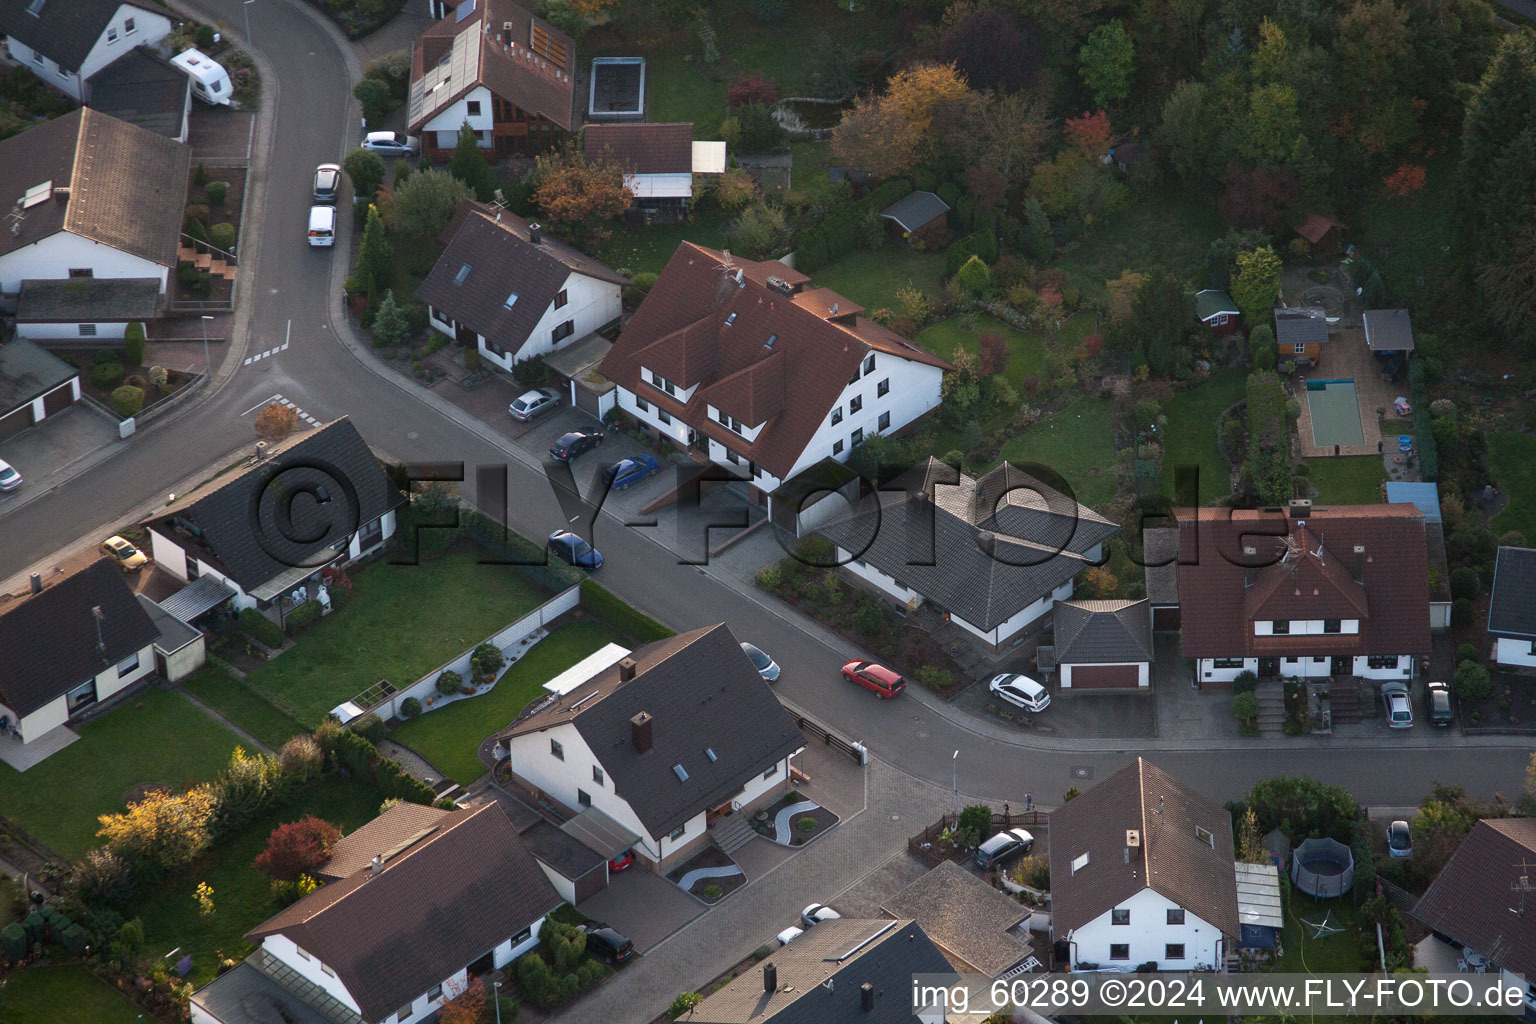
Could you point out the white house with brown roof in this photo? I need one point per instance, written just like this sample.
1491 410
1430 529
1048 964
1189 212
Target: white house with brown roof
1142 871
746 362
513 292
94 197
65 42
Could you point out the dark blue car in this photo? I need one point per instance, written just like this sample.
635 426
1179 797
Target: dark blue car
575 550
629 471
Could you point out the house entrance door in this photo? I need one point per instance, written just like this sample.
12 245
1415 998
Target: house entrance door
1341 666
716 813
1269 667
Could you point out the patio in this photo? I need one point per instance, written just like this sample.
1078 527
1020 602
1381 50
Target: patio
22 756
1346 358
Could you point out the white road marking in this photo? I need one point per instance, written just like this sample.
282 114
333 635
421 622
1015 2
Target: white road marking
287 336
280 400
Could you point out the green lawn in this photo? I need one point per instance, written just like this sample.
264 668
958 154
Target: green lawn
678 92
47 995
1416 241
158 737
1026 351
1192 425
232 699
1347 480
1172 229
872 277
242 896
1338 953
1078 443
449 738
402 622
648 247
1512 464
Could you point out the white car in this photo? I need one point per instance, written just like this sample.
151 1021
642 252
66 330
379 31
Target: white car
1021 691
9 478
533 403
1399 709
392 143
789 934
766 666
322 225
816 913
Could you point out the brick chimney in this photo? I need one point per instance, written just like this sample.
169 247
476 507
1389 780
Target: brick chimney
867 997
626 670
640 732
770 978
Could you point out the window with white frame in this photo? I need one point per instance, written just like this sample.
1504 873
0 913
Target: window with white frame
111 34
1300 348
128 664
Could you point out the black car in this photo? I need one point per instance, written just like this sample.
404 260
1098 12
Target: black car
573 444
327 184
1437 704
608 944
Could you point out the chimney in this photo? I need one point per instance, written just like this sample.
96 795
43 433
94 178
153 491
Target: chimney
1299 508
535 234
36 580
626 670
640 732
261 450
375 866
770 978
866 997
988 541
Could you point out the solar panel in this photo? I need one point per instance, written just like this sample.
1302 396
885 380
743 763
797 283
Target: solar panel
463 11
36 194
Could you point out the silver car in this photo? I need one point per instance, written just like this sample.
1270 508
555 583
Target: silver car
766 666
1394 697
9 478
392 143
533 403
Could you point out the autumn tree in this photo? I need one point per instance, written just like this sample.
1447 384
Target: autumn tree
760 232
579 196
751 89
1256 198
992 49
1122 292
420 207
1406 180
1107 61
1250 850
1088 134
1256 283
468 1007
366 169
298 847
1006 133
276 421
900 129
162 830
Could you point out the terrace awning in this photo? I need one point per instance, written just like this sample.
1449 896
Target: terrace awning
197 597
600 833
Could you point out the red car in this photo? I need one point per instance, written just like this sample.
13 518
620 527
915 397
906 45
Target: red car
876 678
621 862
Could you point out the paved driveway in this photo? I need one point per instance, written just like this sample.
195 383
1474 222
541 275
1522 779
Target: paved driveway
63 439
1071 715
643 906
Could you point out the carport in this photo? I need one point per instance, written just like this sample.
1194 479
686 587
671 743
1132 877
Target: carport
575 369
600 833
575 870
198 597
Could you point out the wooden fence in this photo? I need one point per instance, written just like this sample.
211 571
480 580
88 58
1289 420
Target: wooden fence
924 846
812 728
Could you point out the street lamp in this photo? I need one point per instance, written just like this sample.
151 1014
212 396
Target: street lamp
496 985
207 359
245 8
954 765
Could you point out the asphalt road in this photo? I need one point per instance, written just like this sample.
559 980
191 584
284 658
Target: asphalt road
314 123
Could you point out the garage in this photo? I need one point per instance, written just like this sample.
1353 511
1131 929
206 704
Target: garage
1165 619
28 373
1100 677
16 422
1103 645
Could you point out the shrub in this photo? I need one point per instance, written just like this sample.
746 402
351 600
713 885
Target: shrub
767 11
197 213
1467 652
867 618
751 89
974 817
935 678
1245 707
507 1008
1465 583
302 616
1461 613
133 345
1245 682
1471 681
259 627
218 191
301 759
684 1003
530 373
107 375
806 824
127 400
369 727
103 879
485 662
711 892
449 683
204 37
200 173
297 848
410 707
222 236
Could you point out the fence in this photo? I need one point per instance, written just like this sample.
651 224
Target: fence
923 845
425 688
857 751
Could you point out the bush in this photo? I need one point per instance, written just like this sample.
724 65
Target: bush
1245 682
261 628
203 35
127 400
449 683
370 727
935 678
1245 707
976 818
302 616
530 373
867 618
222 236
602 604
200 173
297 848
1465 583
133 345
485 663
218 191
507 1008
1471 682
107 375
410 707
684 1004
1461 613
301 759
767 11
1467 652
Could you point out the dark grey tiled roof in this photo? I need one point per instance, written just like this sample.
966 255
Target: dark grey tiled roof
1040 535
64 30
820 973
966 917
50 640
563 853
142 90
174 634
915 209
703 695
89 299
27 372
326 479
247 996
1388 330
1102 632
1161 544
1299 327
1512 608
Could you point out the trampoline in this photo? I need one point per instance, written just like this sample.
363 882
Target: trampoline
1323 867
1335 413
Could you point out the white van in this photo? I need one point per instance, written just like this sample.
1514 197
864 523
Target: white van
322 225
210 82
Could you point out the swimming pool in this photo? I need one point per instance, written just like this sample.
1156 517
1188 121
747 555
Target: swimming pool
1335 413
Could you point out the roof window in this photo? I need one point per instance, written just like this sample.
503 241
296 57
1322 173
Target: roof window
35 8
680 772
461 275
730 319
771 339
1079 862
511 300
709 752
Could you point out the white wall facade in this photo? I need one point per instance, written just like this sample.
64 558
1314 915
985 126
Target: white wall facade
874 577
148 29
108 682
1148 934
1005 630
590 305
914 391
1210 672
1514 652
443 130
52 259
98 330
1439 615
1306 627
1143 674
39 404
1402 668
308 967
672 428
173 558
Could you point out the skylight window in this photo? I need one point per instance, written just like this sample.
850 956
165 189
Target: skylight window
461 275
1079 862
771 339
35 8
730 319
511 300
37 194
680 772
710 753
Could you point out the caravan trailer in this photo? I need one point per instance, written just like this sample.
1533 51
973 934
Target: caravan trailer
210 82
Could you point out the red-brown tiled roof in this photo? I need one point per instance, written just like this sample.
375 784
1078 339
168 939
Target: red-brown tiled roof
1316 226
642 148
1303 568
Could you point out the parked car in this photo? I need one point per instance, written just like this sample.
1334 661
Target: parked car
1020 690
608 944
127 557
875 677
533 403
322 225
766 666
1003 847
9 478
1399 841
327 184
574 550
392 143
622 862
816 913
1437 704
629 471
789 934
1394 697
570 445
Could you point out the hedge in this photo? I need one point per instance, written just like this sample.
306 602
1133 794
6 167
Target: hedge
262 628
133 345
838 233
621 616
302 616
1423 429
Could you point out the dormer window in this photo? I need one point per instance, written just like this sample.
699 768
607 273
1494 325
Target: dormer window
661 383
727 420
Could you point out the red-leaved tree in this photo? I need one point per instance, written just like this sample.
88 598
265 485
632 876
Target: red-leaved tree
1257 199
297 848
468 1007
994 354
751 89
1089 134
1406 180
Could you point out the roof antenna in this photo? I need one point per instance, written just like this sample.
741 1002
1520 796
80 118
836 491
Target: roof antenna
1522 886
101 641
1159 807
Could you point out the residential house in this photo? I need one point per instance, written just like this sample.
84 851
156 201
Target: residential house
65 42
1304 592
1142 871
658 161
844 971
97 198
1512 607
746 363
261 540
427 902
1103 645
506 73
981 930
1215 309
146 91
1425 496
85 313
513 292
994 552
664 743
919 216
1388 331
70 646
33 386
1300 334
1322 233
1479 901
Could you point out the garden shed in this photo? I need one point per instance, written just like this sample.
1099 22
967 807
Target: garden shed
919 216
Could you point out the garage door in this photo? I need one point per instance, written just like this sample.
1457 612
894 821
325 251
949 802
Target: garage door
58 400
1094 677
1165 618
16 422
